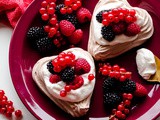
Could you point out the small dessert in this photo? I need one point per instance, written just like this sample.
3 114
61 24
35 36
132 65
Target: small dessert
119 90
117 27
67 79
148 65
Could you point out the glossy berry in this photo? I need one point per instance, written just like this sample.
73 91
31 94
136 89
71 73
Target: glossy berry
63 93
76 37
118 114
67 88
54 78
99 17
90 77
18 113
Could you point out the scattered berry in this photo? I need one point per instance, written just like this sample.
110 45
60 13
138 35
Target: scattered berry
82 66
66 27
18 113
83 15
76 36
140 91
91 77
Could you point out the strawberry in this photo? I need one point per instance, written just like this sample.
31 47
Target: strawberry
140 91
66 27
83 15
76 37
132 29
82 66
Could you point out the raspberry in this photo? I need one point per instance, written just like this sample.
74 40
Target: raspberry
76 36
119 27
107 33
67 75
132 29
66 27
44 45
141 91
50 67
82 66
83 15
128 86
54 78
111 100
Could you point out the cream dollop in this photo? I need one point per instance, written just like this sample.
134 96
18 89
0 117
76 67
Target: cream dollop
74 95
146 63
102 49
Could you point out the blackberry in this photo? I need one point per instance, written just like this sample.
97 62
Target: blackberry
50 67
109 85
128 86
71 18
99 15
67 75
36 33
44 45
57 11
111 100
107 33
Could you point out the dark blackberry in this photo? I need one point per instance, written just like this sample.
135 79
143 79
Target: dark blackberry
44 45
107 33
50 67
67 75
57 11
71 18
111 100
109 85
128 86
35 33
99 15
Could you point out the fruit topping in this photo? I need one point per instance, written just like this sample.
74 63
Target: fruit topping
50 67
119 90
67 75
119 20
76 37
82 66
91 77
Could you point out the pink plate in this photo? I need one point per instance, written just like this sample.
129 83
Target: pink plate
22 58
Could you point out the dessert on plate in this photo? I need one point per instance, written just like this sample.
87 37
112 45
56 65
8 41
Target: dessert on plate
148 65
117 27
68 79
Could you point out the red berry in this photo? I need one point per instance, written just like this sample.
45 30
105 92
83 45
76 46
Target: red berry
63 10
53 20
46 28
75 7
45 16
9 103
119 28
122 78
18 113
66 27
132 29
116 68
54 78
128 19
3 110
68 2
120 107
129 96
123 116
121 16
42 10
132 12
110 17
67 88
52 4
83 15
114 111
52 31
90 77
115 11
63 93
79 4
76 37
50 10
105 72
118 114
128 75
124 95
10 109
126 111
116 20
69 10
8 114
127 102
105 22
122 70
105 15
44 3
124 11
141 91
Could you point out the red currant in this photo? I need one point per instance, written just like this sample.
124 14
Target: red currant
42 10
121 16
18 113
129 96
75 7
118 114
123 116
50 10
90 77
53 21
68 2
122 78
129 19
44 3
127 102
120 107
63 11
132 12
45 16
67 88
110 17
105 22
69 10
10 109
52 4
79 4
126 111
63 93
46 28
116 68
128 75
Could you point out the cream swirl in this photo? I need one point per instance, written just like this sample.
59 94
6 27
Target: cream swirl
102 49
74 95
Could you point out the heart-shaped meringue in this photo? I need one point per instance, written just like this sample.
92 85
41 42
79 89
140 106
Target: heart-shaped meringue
102 49
77 101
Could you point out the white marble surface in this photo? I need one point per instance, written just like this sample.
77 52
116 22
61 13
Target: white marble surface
5 78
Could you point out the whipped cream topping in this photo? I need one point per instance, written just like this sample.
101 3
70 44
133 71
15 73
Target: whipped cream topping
102 49
74 95
146 63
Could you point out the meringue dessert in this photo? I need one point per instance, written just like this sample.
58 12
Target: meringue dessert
148 65
68 79
117 27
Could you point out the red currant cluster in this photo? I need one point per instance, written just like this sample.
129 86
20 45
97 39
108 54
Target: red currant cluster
63 60
123 108
6 106
118 14
70 6
114 72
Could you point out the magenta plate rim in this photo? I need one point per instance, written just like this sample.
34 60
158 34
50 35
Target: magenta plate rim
18 73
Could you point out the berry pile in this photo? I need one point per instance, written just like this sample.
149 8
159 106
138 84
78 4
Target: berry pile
6 106
119 90
118 21
61 25
69 70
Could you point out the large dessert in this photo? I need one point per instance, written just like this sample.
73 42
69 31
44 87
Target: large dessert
67 79
117 27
